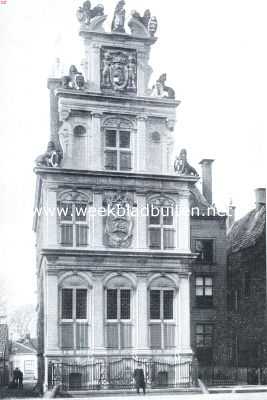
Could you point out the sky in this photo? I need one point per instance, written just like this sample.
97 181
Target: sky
214 54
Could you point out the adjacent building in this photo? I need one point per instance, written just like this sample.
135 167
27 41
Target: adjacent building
114 286
23 355
246 284
4 355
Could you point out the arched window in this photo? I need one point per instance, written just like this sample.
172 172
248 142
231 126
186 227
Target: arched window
161 227
162 313
118 144
73 220
118 313
74 313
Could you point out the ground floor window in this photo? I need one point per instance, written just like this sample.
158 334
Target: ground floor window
204 343
161 319
118 319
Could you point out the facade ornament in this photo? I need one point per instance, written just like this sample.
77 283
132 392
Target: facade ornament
85 13
75 79
119 18
170 124
153 26
118 70
145 19
181 165
51 158
118 230
161 90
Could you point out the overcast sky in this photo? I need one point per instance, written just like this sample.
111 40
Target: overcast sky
214 53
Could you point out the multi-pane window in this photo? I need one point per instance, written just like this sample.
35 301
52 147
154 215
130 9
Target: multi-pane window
73 224
74 318
161 228
118 318
204 343
204 291
161 315
118 155
205 250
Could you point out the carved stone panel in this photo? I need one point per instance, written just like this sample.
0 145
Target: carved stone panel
118 70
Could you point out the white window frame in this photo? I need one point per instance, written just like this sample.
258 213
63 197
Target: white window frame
118 149
162 227
75 205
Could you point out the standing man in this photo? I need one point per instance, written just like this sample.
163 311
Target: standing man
139 378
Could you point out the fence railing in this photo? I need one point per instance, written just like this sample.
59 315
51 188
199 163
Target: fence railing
119 373
225 375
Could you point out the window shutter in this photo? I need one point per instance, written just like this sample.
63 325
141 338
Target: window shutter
125 336
66 235
81 336
81 235
112 336
155 238
155 336
125 161
168 239
67 340
169 335
125 137
111 159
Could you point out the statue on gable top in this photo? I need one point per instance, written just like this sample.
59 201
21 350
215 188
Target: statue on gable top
51 158
181 165
75 79
119 18
161 90
85 13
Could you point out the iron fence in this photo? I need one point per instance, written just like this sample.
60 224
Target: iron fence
118 374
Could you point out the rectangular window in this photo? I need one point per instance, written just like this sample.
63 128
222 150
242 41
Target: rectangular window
204 343
162 327
118 325
118 156
73 224
205 248
161 228
74 333
204 291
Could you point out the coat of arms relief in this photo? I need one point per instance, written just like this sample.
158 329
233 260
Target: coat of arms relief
118 223
118 70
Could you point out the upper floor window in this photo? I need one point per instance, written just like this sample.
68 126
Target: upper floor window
205 250
204 291
118 144
118 155
73 224
161 315
73 220
161 227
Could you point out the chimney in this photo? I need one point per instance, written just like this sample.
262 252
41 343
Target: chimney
260 197
207 178
231 215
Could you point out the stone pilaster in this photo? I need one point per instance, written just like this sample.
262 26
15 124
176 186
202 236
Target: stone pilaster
98 221
96 161
141 317
141 143
98 314
49 215
51 313
184 315
184 222
141 221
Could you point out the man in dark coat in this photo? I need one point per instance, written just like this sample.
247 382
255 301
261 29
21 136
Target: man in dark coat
139 378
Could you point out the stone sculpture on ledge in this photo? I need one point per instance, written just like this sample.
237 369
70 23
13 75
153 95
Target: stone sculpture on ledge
145 19
51 158
119 18
85 13
181 165
75 79
143 26
161 90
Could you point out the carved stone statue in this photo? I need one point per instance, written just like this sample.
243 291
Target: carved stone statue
119 221
119 18
51 158
85 13
118 70
161 90
153 26
145 19
181 165
75 79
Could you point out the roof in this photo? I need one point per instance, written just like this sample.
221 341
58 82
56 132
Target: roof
198 200
246 232
3 339
26 347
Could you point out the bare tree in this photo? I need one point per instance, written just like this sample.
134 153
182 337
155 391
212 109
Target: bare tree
3 297
21 321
